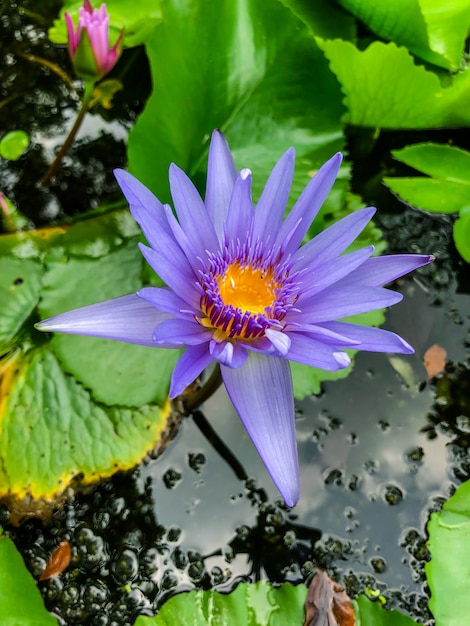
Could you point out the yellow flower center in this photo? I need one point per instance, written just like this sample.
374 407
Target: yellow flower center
248 288
241 301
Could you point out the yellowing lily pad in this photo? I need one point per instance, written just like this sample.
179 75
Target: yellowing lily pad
52 431
73 409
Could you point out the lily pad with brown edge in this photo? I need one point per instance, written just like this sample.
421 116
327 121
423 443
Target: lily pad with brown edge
52 432
73 410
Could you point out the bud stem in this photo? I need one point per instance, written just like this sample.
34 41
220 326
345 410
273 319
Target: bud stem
87 94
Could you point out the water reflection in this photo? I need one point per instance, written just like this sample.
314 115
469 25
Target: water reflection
39 95
370 474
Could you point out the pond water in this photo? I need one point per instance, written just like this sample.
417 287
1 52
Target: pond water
378 451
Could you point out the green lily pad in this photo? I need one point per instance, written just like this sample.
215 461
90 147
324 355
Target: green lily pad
438 160
21 603
373 614
20 284
248 604
430 194
448 571
382 85
249 68
116 373
384 88
97 236
30 244
259 604
434 31
324 18
13 144
52 431
449 188
462 233
138 20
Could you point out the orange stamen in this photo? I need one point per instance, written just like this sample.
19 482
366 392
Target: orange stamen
248 288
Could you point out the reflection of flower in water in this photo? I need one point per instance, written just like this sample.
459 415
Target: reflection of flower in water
243 292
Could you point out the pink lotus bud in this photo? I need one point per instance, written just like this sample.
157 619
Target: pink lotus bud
89 47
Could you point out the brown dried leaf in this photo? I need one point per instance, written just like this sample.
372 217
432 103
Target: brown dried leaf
327 603
58 561
435 360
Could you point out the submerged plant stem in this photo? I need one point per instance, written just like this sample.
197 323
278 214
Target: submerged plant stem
206 391
89 87
216 442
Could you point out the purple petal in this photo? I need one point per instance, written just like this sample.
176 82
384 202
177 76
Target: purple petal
152 217
337 302
334 270
323 334
191 211
128 318
272 203
371 339
311 352
221 175
185 243
261 345
165 300
261 392
190 364
178 332
228 353
239 220
280 341
146 209
307 206
381 270
178 276
334 240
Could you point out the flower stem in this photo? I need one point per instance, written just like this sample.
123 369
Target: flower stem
89 87
203 393
216 442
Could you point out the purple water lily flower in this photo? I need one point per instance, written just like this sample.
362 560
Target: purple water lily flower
243 291
89 47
